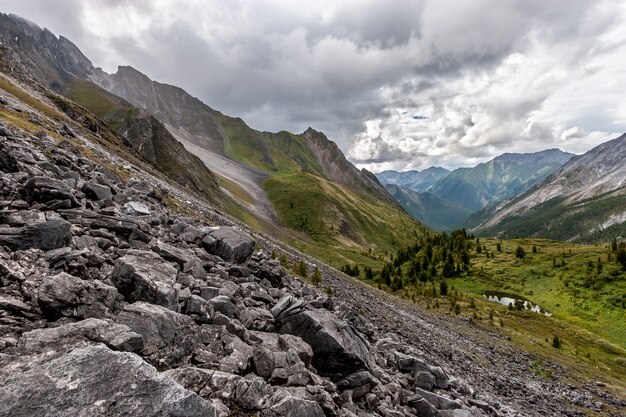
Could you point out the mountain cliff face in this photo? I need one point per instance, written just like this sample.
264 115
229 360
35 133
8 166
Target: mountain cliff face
418 181
584 200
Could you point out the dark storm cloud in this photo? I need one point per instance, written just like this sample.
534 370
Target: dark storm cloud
481 72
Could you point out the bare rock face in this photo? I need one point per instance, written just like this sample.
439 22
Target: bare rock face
94 381
45 235
145 276
64 295
337 349
169 337
87 332
230 244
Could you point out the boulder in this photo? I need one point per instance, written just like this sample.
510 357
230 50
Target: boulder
337 349
422 407
95 191
251 394
424 380
46 189
135 208
95 381
69 336
437 401
230 244
287 306
45 235
199 309
222 304
169 337
64 295
360 383
256 318
144 276
294 407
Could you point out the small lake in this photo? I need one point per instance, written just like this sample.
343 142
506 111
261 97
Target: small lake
517 301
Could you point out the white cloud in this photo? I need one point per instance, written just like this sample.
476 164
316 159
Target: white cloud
489 76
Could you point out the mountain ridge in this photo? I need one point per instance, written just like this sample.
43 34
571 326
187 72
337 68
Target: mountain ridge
588 192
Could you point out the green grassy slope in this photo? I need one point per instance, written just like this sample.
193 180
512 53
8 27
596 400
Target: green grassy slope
555 219
337 224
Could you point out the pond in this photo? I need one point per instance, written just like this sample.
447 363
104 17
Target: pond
517 301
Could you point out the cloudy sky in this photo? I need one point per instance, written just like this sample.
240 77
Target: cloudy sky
398 84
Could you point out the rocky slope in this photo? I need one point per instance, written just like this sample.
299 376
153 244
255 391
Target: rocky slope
124 294
37 56
584 200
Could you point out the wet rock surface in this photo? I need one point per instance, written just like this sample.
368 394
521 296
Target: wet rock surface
115 303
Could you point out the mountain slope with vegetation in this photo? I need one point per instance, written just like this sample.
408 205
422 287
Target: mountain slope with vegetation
499 179
584 201
429 209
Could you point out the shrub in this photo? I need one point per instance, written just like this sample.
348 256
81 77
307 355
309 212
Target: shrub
316 279
556 342
520 253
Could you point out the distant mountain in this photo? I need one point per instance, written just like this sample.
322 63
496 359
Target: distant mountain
503 177
462 197
429 209
583 201
418 181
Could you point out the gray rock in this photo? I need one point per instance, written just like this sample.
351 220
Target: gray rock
439 402
46 189
46 235
135 208
95 381
66 337
230 244
360 383
169 337
256 318
294 407
336 347
222 304
287 306
64 295
144 276
284 342
422 407
248 394
424 380
95 191
199 308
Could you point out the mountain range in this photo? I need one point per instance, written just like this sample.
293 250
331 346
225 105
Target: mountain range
447 198
585 200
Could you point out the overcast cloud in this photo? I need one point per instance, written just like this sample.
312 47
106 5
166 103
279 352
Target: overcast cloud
401 84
